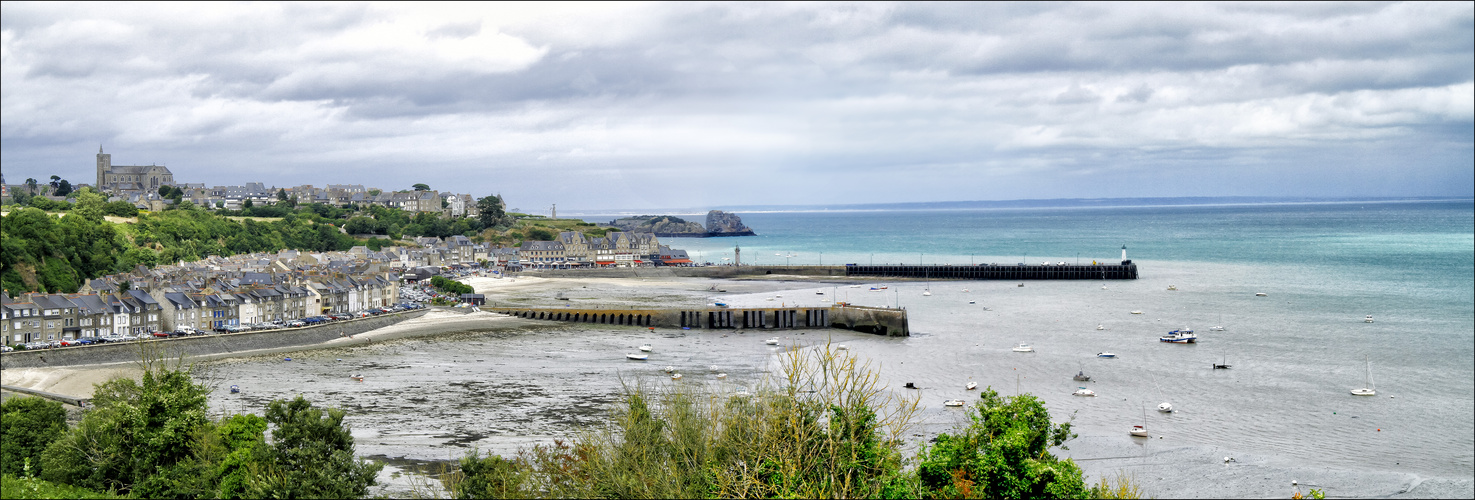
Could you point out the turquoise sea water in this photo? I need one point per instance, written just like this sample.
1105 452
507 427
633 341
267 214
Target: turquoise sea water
1296 353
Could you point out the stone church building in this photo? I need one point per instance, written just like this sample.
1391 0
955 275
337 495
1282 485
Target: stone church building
125 178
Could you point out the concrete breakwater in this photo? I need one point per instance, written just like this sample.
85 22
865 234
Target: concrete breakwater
689 272
199 346
880 321
1126 271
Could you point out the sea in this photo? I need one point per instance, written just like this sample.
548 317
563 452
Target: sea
1282 412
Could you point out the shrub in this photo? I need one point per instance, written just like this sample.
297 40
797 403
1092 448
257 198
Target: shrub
1003 453
27 426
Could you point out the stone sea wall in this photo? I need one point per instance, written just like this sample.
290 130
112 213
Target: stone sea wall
202 345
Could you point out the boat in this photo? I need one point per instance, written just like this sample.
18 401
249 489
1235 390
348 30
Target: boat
1100 327
1165 406
972 385
841 347
670 369
819 293
910 385
1084 392
235 389
1021 284
1023 347
1184 336
1367 387
560 296
1105 355
713 368
1081 375
637 357
953 402
1223 366
772 341
1136 312
721 376
926 293
676 376
1261 294
1141 430
645 348
972 302
1216 328
1172 288
359 378
854 286
1367 319
965 290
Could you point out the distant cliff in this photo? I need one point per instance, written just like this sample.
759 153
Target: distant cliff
719 223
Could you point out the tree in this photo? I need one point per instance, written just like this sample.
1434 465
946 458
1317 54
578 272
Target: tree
282 194
63 188
1004 453
247 204
28 425
31 185
54 182
491 213
311 455
421 187
377 192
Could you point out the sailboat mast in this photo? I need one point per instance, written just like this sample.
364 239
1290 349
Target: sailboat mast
1369 380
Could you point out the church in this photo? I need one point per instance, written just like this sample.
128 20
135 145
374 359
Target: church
119 179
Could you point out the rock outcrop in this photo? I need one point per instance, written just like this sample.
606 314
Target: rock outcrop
721 223
660 224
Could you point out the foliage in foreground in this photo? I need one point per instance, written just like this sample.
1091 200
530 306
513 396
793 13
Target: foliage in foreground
826 430
153 439
16 487
27 426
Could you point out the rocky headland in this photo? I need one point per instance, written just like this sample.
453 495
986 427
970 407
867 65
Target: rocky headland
719 223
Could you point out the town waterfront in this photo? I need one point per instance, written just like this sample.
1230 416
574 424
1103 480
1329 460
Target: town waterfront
1282 412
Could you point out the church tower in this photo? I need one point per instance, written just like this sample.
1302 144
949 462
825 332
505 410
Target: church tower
104 165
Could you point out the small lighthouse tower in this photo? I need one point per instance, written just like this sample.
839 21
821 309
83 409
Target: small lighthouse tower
737 256
1124 256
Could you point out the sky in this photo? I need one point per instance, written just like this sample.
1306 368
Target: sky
640 105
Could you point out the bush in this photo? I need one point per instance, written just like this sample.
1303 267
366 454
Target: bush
21 487
311 456
27 426
1004 453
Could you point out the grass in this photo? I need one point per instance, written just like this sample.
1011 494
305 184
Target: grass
12 487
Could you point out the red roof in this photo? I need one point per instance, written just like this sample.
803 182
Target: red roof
677 261
602 262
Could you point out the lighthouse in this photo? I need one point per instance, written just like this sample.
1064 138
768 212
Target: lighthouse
1124 256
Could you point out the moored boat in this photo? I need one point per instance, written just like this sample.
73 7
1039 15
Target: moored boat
1184 336
972 385
1367 319
1105 355
1084 392
1023 347
637 357
772 341
645 348
953 403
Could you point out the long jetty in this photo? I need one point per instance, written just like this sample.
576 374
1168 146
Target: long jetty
876 320
1125 271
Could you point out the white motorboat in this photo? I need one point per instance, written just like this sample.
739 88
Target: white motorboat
1136 312
1261 294
359 378
953 403
972 302
972 385
1184 336
854 286
1023 347
1216 328
1165 407
1367 387
965 290
713 368
1100 327
1105 355
841 347
926 293
721 376
645 348
676 376
772 341
1084 392
1172 288
1367 319
637 357
670 369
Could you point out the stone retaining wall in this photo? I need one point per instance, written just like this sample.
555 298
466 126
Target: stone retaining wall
202 345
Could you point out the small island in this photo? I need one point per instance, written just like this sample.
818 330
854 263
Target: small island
719 223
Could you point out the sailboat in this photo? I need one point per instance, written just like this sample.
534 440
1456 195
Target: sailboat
1165 407
1219 327
1141 430
1367 389
1222 366
927 292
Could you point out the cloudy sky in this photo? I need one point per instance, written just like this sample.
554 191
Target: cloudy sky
596 106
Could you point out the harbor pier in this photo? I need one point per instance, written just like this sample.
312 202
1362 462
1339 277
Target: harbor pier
1124 271
875 320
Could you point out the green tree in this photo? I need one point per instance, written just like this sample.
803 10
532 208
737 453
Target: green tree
63 188
282 194
27 426
311 455
421 187
55 183
375 192
246 205
1003 453
133 434
490 212
31 185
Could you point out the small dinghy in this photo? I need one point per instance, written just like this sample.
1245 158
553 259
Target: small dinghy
1021 285
1105 355
972 302
235 389
670 369
713 368
972 385
676 376
1023 347
1165 407
772 341
645 348
910 385
1084 392
637 357
842 347
965 290
1100 327
721 376
953 403
359 378
1367 319
1139 431
1261 294
1172 288
1136 312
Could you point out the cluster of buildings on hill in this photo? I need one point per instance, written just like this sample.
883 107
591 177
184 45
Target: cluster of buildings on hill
139 185
218 292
